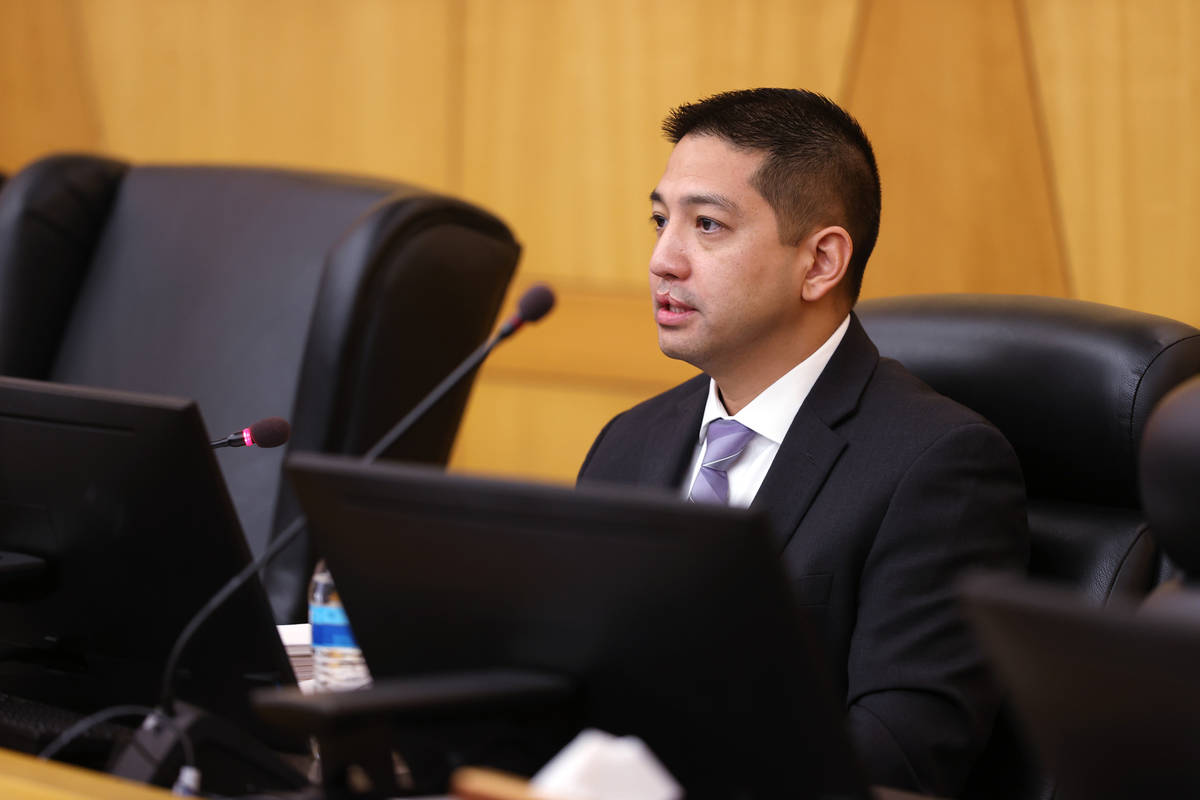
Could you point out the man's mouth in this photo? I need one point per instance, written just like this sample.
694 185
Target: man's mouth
669 310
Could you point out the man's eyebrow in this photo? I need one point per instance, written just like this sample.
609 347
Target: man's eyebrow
703 199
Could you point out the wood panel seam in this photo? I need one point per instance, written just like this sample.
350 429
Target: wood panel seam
456 108
853 58
1045 146
80 55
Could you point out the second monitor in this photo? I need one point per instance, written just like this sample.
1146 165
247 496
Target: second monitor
675 621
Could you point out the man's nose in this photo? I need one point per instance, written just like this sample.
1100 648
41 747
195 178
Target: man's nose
670 257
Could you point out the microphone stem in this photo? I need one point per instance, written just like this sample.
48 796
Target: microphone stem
298 524
216 601
472 361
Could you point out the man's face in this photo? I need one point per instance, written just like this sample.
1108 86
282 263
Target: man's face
726 292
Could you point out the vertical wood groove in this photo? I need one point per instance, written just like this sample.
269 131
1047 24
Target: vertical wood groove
456 89
853 59
88 91
1045 145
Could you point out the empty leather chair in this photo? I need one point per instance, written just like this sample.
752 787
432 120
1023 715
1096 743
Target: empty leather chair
1070 384
334 301
1169 475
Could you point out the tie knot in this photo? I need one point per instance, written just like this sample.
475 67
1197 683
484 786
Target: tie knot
726 439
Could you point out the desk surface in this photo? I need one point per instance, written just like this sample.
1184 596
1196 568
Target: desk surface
474 783
23 777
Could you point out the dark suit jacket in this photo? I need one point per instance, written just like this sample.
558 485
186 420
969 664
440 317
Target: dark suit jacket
880 494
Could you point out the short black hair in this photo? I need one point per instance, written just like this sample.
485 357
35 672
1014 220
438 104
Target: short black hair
819 169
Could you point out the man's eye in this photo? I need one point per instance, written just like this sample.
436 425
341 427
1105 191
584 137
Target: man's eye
707 225
658 221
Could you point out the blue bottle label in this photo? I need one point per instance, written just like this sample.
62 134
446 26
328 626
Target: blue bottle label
330 627
327 615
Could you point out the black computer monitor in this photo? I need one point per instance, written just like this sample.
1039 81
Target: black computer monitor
674 620
117 499
1106 695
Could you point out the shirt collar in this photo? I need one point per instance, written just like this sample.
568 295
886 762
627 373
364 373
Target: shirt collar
770 414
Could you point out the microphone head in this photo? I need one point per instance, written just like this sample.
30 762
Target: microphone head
269 432
535 303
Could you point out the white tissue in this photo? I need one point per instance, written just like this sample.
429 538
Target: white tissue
599 766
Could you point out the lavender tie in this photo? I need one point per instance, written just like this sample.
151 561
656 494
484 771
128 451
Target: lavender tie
726 441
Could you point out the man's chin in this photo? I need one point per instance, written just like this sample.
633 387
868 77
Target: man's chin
678 351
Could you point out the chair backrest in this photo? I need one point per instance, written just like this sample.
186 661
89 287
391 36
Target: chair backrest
1169 476
1070 384
331 300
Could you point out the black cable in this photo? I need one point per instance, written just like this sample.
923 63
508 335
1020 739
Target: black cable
104 715
162 713
167 698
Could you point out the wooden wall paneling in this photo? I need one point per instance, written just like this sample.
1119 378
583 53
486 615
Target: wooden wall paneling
364 86
564 100
563 103
943 90
46 100
548 114
521 430
1121 82
596 351
551 135
618 345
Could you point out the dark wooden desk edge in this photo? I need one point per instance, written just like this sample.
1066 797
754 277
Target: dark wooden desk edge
884 793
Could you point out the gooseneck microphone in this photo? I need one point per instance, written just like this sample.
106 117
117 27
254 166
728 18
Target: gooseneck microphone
534 304
269 432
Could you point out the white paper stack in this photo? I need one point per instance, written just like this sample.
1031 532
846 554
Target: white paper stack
297 641
599 766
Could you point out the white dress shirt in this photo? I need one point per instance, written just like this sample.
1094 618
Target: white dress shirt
769 415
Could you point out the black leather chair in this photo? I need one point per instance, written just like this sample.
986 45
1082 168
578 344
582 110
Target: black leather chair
1169 476
1070 384
336 302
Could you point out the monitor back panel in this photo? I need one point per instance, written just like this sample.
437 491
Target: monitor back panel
1107 696
120 495
675 620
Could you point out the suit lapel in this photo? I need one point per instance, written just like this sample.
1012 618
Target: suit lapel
669 444
812 444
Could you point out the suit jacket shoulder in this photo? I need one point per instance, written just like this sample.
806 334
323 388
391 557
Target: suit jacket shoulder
651 443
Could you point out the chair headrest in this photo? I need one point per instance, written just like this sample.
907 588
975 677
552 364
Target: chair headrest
1070 383
1169 473
52 213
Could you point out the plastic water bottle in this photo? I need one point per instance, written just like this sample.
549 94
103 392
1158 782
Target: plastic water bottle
338 663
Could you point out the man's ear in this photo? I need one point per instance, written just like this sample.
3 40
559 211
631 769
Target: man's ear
830 249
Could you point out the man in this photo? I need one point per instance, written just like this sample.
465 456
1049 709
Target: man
879 490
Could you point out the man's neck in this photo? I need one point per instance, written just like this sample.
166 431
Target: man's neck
739 385
736 402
